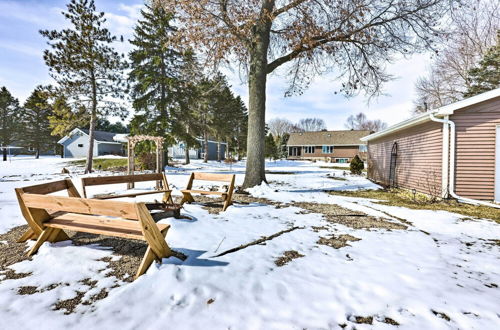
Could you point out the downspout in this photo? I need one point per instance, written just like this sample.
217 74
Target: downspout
450 177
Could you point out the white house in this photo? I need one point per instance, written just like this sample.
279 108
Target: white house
76 144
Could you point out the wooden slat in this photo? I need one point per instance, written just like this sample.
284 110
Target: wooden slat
81 205
101 180
205 192
132 194
46 188
100 225
213 177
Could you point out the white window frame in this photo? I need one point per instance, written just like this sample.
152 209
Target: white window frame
363 148
309 149
329 149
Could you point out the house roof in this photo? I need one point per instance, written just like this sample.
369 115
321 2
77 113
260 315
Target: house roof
99 136
334 138
447 110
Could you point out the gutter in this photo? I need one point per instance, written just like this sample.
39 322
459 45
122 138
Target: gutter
449 176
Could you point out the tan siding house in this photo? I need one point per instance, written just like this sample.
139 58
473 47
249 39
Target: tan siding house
330 146
452 151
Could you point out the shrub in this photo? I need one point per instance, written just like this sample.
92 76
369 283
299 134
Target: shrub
357 165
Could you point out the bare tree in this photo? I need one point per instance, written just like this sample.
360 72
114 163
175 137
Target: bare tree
360 122
311 124
474 26
352 38
279 126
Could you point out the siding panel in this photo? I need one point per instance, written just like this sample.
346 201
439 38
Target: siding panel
418 162
475 158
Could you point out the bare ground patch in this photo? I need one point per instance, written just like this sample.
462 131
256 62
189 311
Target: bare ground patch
339 241
357 220
287 257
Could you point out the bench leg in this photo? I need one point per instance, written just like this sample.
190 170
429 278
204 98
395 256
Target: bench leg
227 203
41 239
167 197
148 258
29 234
187 198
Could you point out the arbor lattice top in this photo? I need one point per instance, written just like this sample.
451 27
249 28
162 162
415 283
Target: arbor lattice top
133 140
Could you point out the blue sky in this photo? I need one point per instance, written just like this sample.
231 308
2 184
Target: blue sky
22 67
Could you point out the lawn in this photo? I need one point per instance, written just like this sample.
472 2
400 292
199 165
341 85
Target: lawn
403 198
287 255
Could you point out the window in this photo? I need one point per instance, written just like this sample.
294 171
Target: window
342 160
308 150
363 148
80 145
328 149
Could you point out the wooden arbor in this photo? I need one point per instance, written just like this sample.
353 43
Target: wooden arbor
132 141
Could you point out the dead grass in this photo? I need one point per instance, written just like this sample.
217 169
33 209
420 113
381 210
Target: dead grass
287 257
337 242
357 220
403 198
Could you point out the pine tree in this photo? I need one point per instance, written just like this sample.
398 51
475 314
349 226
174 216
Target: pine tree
486 76
155 74
88 71
9 119
35 120
270 147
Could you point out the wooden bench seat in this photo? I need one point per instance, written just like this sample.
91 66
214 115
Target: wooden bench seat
160 178
205 192
226 195
48 216
99 225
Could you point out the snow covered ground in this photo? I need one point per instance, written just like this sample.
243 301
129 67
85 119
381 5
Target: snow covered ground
443 272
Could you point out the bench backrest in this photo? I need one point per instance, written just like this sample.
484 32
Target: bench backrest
212 177
52 187
35 217
229 178
118 209
116 179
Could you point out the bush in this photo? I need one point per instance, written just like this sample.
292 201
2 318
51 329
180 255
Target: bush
357 165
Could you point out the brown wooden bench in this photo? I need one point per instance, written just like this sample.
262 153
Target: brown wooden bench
48 216
42 189
226 195
160 178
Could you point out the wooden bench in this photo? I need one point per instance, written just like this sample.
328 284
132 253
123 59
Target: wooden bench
50 215
160 178
30 216
226 195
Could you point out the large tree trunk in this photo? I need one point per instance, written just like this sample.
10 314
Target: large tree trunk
37 153
205 145
90 154
186 154
93 122
218 151
257 79
4 153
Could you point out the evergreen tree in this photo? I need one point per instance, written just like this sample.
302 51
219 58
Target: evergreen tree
88 71
35 120
65 118
487 75
270 147
155 74
9 119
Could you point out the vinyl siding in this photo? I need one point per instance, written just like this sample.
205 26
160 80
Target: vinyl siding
475 149
418 161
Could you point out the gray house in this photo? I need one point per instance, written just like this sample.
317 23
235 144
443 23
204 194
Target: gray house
76 144
178 150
